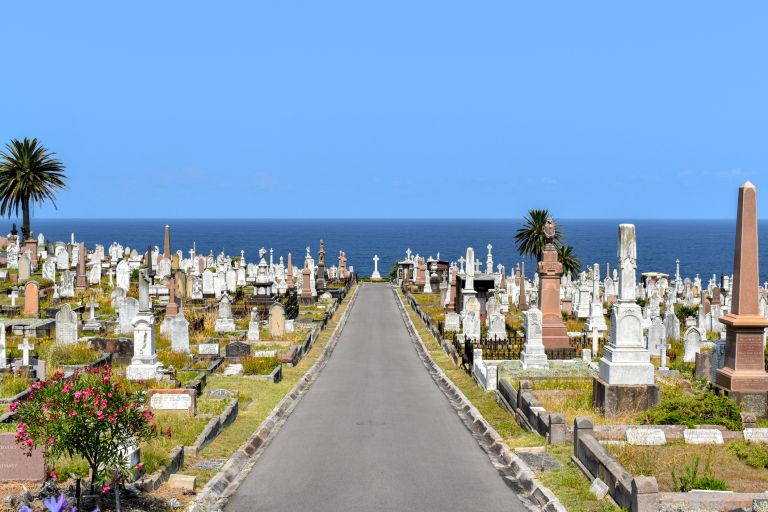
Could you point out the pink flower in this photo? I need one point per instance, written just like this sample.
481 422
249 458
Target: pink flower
51 440
105 489
13 406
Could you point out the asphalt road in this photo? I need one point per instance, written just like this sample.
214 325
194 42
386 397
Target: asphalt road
374 433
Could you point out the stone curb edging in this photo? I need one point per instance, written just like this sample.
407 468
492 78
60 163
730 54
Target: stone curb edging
223 485
516 473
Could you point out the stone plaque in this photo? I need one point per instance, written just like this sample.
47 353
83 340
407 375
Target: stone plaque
646 436
703 436
208 349
238 349
15 465
599 488
756 435
173 400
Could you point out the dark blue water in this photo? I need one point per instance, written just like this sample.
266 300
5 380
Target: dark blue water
703 246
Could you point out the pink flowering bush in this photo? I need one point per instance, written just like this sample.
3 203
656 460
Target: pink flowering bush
89 415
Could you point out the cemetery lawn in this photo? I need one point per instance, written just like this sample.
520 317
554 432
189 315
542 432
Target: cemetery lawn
569 484
659 461
257 400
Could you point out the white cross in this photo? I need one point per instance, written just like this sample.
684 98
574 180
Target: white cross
25 348
376 262
461 262
14 296
408 254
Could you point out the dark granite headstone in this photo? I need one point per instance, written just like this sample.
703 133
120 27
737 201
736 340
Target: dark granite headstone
238 349
15 465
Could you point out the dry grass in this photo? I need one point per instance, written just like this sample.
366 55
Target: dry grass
659 461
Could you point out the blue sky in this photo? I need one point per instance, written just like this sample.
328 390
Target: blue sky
392 109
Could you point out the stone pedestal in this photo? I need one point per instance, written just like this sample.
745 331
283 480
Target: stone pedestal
144 364
626 360
616 399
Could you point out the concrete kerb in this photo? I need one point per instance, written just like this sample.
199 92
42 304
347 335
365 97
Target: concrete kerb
512 468
223 485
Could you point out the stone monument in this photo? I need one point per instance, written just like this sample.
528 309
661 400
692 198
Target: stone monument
144 364
743 376
554 334
626 381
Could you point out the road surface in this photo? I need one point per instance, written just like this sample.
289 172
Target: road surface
374 433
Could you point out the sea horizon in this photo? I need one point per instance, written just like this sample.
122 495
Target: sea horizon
704 246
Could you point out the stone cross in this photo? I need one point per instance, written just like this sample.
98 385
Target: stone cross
14 296
375 262
408 254
25 348
461 262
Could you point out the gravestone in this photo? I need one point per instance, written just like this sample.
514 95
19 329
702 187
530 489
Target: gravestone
254 326
126 312
49 269
692 343
208 349
533 354
756 435
25 267
276 320
123 275
646 436
452 322
196 288
117 296
16 465
31 298
66 325
94 275
225 322
237 349
703 436
180 333
208 285
173 400
497 327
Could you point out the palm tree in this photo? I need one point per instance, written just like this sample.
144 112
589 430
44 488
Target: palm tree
29 174
530 238
569 260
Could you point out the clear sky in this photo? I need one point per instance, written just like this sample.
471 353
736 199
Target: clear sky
392 109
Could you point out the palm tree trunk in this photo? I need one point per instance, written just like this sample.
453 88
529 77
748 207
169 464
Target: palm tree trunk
25 232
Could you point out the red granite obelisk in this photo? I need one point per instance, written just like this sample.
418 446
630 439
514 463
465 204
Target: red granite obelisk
743 377
554 334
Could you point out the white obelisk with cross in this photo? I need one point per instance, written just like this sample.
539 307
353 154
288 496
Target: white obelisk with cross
375 274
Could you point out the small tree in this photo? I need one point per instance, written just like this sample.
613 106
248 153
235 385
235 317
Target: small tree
88 415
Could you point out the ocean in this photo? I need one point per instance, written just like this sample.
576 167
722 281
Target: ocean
703 246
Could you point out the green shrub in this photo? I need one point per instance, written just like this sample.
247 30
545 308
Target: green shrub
690 479
752 454
676 408
258 365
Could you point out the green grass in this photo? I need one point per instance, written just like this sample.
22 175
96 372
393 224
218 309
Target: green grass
570 485
12 385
